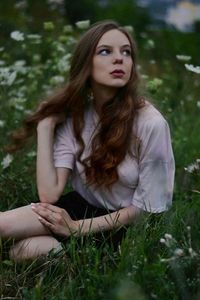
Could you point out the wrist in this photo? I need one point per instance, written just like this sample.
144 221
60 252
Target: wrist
79 228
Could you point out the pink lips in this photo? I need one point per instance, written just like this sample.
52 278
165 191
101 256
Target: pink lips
118 73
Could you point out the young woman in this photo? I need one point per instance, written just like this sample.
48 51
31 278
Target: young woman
99 134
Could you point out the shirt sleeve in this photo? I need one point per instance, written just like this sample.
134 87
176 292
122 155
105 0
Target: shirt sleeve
64 146
156 167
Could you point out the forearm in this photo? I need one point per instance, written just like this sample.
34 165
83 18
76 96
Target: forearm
110 221
46 173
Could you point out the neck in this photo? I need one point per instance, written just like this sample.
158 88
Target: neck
101 96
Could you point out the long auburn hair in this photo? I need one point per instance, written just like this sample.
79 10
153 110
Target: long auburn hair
114 138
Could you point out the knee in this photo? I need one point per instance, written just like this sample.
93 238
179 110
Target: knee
19 251
4 226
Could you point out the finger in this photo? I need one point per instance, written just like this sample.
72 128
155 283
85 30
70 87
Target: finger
54 209
51 207
42 212
46 223
47 206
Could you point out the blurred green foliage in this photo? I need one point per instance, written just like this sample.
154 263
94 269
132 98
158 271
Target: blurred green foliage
31 69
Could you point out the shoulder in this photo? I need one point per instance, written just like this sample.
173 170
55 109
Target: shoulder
65 127
148 118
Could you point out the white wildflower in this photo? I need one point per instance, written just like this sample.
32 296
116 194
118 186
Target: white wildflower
1 49
195 69
7 77
129 28
67 28
178 252
193 167
11 78
144 76
183 57
2 123
64 64
49 26
162 241
20 63
19 66
28 111
59 47
150 44
168 236
21 5
153 296
167 259
17 35
154 84
57 80
71 41
168 240
19 107
83 24
2 62
31 154
192 252
55 2
36 58
18 103
198 104
7 161
34 36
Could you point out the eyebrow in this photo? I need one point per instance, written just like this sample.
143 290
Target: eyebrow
109 46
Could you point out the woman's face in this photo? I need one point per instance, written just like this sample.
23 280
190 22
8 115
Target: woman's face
112 61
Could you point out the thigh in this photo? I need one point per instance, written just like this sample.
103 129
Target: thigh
34 247
20 223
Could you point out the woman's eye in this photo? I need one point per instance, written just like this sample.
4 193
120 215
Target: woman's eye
126 52
104 51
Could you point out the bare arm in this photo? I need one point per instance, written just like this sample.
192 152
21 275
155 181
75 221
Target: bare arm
60 222
50 180
110 221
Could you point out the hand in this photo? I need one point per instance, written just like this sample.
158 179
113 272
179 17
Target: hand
55 218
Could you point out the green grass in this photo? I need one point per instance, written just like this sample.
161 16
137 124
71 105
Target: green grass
143 267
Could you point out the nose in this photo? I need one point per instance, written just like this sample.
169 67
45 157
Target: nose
117 58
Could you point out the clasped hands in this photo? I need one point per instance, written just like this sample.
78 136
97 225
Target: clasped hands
56 219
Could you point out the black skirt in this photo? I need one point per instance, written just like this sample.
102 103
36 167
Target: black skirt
78 208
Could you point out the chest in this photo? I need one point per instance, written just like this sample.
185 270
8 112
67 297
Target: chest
128 169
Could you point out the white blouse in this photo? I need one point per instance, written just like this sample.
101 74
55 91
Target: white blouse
146 183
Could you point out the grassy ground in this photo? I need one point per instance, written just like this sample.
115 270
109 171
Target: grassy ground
160 256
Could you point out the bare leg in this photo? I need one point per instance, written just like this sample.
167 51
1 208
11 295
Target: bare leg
21 223
33 247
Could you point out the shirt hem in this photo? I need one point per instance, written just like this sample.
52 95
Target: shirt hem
63 165
151 210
